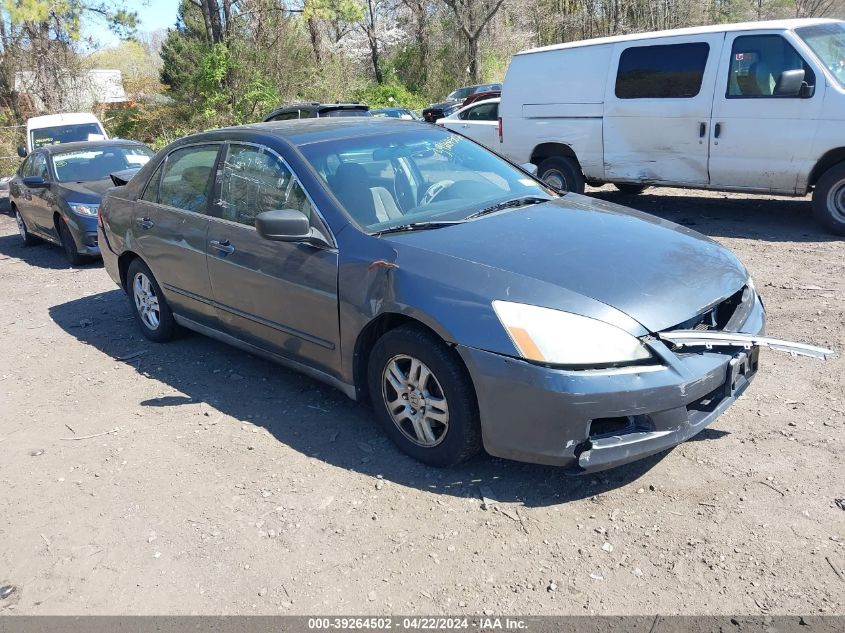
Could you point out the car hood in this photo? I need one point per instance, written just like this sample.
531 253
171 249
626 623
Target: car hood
88 191
657 272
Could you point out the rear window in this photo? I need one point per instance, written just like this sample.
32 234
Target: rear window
345 112
668 71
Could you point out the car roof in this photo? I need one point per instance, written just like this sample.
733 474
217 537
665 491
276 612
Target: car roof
773 25
49 120
305 131
79 146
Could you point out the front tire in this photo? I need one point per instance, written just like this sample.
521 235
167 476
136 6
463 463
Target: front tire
68 244
149 306
562 173
423 397
27 238
829 199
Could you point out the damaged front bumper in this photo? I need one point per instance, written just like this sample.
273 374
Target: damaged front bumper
592 420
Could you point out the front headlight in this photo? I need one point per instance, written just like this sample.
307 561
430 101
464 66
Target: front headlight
84 209
561 338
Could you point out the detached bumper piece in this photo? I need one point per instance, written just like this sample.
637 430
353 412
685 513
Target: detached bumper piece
709 340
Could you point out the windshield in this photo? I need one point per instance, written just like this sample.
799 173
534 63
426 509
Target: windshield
97 164
827 41
418 175
65 134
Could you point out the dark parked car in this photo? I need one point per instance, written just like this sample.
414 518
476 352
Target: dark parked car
470 303
462 93
55 194
395 113
316 110
481 96
437 111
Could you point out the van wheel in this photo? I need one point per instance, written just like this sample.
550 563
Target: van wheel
561 173
829 199
423 397
630 189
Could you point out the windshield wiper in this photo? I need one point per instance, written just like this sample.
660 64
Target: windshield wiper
417 226
524 201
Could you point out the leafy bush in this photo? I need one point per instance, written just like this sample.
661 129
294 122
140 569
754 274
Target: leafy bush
388 95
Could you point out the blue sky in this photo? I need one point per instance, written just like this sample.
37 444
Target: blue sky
152 15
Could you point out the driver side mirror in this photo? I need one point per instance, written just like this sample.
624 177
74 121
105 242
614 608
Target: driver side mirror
283 225
791 84
34 182
22 151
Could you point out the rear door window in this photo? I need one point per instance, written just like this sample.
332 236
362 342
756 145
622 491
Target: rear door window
484 112
187 178
665 71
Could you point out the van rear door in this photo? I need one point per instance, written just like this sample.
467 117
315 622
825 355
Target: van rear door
658 104
762 133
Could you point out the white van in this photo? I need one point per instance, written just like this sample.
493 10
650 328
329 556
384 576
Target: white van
756 107
61 128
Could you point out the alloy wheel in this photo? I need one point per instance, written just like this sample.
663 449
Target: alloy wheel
21 225
146 301
415 400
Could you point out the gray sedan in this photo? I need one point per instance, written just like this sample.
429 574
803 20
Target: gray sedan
471 304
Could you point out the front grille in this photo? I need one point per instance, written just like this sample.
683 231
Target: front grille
716 317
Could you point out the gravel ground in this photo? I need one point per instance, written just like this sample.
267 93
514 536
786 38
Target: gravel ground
193 478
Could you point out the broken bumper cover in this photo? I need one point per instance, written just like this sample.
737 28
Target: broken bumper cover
592 420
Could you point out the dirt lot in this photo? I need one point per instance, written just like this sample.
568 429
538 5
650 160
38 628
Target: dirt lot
230 485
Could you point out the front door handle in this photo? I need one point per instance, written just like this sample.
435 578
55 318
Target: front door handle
717 129
702 129
145 223
223 247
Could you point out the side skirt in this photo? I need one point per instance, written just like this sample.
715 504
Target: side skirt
316 374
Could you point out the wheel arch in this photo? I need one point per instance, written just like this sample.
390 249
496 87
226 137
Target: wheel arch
549 150
123 262
828 160
372 332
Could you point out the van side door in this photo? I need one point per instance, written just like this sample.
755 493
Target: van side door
763 129
657 110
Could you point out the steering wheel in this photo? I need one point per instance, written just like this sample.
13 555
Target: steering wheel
435 190
402 191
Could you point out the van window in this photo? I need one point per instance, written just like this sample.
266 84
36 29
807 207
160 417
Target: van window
666 71
757 62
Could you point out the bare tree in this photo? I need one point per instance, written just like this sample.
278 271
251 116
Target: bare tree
472 16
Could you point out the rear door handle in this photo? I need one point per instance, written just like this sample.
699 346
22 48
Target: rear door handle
223 247
145 223
702 129
717 130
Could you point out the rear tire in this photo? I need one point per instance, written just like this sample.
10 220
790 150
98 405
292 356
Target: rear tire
562 173
829 199
630 189
148 304
68 244
27 238
423 397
